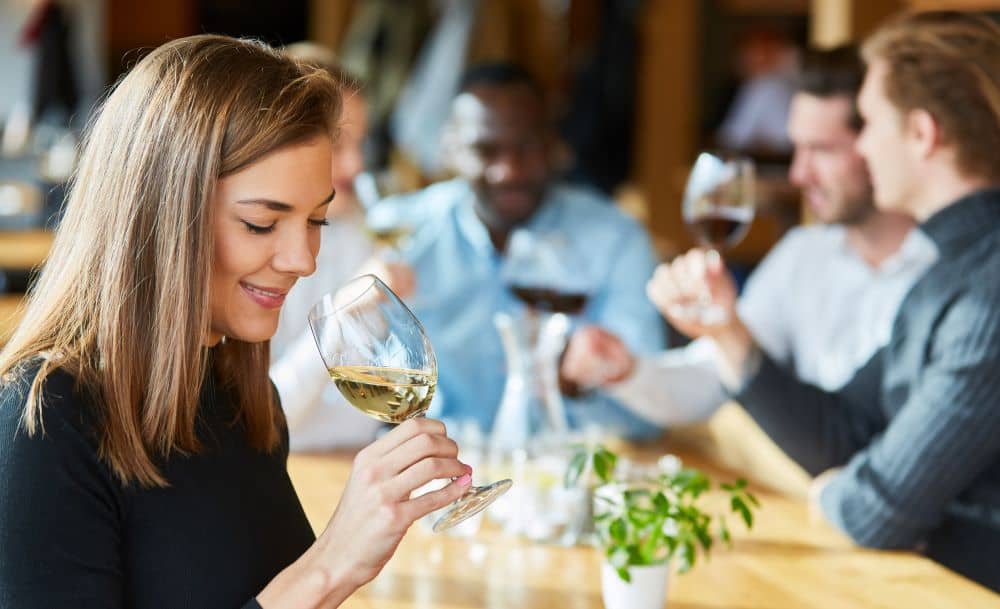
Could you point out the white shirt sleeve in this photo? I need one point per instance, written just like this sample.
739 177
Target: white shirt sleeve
682 385
674 387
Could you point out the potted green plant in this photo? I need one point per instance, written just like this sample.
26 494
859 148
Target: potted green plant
645 522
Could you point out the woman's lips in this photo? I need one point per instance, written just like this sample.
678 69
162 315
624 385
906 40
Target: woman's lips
269 298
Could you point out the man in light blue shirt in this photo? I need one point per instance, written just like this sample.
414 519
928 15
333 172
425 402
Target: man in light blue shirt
498 143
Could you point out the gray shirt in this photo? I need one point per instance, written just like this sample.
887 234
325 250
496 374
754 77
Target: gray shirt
917 430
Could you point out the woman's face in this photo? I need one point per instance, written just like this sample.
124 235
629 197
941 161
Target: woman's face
267 231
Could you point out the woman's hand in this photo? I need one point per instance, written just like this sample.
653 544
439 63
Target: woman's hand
374 513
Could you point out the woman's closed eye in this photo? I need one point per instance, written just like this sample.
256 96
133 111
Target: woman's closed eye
318 222
257 229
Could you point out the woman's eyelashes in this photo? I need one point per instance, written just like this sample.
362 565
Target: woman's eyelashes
258 229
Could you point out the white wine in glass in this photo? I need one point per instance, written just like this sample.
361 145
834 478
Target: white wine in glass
389 234
387 394
381 360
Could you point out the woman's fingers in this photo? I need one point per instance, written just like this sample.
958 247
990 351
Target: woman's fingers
423 472
415 449
418 507
401 434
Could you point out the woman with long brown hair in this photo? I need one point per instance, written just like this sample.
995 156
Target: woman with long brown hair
142 448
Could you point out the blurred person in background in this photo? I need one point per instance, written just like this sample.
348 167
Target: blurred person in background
756 120
499 144
823 300
318 416
906 453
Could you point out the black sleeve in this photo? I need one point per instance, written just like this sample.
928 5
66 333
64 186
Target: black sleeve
818 429
60 508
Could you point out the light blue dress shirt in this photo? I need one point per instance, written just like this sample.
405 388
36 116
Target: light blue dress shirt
460 289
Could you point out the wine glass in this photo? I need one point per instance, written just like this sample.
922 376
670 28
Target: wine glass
543 272
718 209
386 230
381 360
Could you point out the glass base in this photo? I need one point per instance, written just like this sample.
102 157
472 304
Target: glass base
475 500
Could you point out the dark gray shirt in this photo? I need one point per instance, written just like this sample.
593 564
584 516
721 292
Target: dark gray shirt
917 430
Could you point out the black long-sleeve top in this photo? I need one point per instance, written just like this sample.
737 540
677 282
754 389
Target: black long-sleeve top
72 535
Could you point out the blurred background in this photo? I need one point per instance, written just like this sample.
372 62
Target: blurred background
637 87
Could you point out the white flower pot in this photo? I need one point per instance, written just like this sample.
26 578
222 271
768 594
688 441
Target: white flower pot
647 590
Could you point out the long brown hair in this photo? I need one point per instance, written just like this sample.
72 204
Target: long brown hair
123 301
947 63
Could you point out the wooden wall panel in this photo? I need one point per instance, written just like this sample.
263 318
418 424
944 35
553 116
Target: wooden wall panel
133 25
668 114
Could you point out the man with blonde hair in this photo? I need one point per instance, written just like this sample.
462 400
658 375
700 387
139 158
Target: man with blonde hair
907 450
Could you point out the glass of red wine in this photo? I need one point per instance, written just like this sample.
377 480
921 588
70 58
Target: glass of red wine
718 209
544 273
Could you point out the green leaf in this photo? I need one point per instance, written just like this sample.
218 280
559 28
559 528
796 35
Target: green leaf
690 482
640 517
624 575
739 506
724 532
618 530
635 556
704 538
604 464
649 548
661 503
752 499
575 469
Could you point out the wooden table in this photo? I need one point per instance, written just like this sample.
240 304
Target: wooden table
788 560
23 250
10 314
19 251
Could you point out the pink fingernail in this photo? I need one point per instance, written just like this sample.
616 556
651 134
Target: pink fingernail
464 480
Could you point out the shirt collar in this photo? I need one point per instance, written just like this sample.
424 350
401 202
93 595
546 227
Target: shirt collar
915 249
962 223
469 224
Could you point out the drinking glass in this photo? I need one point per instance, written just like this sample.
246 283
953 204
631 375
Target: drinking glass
380 358
544 272
718 209
387 231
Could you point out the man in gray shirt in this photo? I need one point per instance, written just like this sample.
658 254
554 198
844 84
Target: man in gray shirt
907 450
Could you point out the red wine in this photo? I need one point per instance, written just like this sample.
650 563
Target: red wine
721 228
548 299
